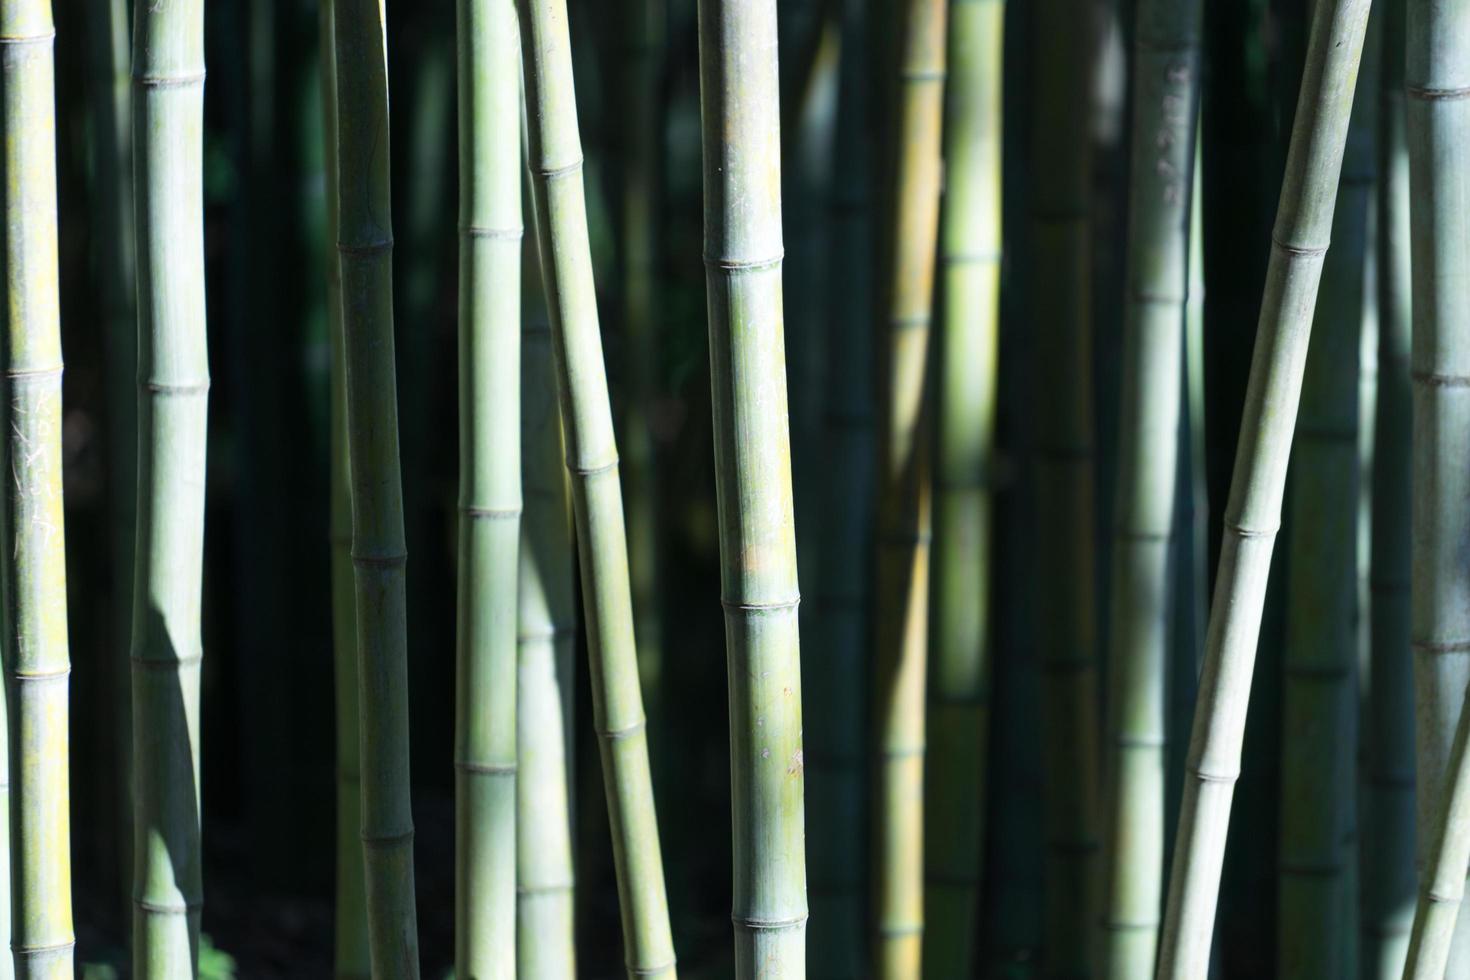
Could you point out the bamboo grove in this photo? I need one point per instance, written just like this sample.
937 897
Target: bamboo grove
880 489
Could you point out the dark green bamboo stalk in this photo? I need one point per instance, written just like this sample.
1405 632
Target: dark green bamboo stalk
1066 627
1166 79
907 283
1299 241
173 391
740 113
489 487
959 691
592 459
379 552
32 536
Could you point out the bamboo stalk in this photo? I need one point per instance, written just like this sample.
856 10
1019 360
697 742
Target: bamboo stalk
1299 240
173 388
740 114
906 280
379 553
485 756
36 653
592 461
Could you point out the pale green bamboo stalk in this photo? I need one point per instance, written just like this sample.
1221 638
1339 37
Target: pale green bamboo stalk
555 157
966 380
740 121
1299 241
379 552
36 651
906 281
173 391
1166 82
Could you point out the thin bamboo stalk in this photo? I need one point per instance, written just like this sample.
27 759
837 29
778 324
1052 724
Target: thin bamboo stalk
36 651
906 279
489 487
966 380
592 460
1299 241
740 116
1166 81
1437 122
173 391
379 552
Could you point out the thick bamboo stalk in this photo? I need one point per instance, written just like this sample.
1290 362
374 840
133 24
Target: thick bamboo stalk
379 552
1166 81
592 460
1299 241
36 652
1437 118
740 122
965 397
489 487
173 391
906 279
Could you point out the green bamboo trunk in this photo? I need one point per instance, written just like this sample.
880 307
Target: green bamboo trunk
965 397
1066 627
379 552
740 114
1253 513
1437 117
1446 853
1166 81
906 279
555 155
1388 851
173 391
32 538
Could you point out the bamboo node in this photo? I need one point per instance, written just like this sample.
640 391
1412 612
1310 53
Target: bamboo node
485 768
36 374
1205 776
1305 251
911 321
163 388
1435 380
1440 646
651 971
745 265
41 675
374 247
18 39
778 605
494 234
169 908
1434 898
490 513
22 950
586 471
1241 531
169 81
553 173
981 257
394 560
173 663
627 731
387 840
1427 93
1130 925
754 923
549 888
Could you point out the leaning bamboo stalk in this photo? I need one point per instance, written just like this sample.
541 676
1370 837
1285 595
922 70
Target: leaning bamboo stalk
1299 241
36 651
379 552
173 391
489 487
740 116
555 161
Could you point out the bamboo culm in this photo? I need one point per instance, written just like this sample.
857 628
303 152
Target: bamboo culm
1253 512
35 645
173 391
379 552
555 155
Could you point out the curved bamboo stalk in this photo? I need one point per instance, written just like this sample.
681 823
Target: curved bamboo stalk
592 460
966 380
379 552
36 652
740 113
173 390
1299 241
907 283
489 487
1166 82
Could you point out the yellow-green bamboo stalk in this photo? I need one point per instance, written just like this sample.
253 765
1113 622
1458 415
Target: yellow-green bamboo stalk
32 536
555 160
173 391
1299 241
379 552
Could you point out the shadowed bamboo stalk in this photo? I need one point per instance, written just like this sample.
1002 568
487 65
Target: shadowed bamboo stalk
1299 241
740 115
1166 79
379 552
555 161
173 391
906 280
489 487
36 653
959 691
